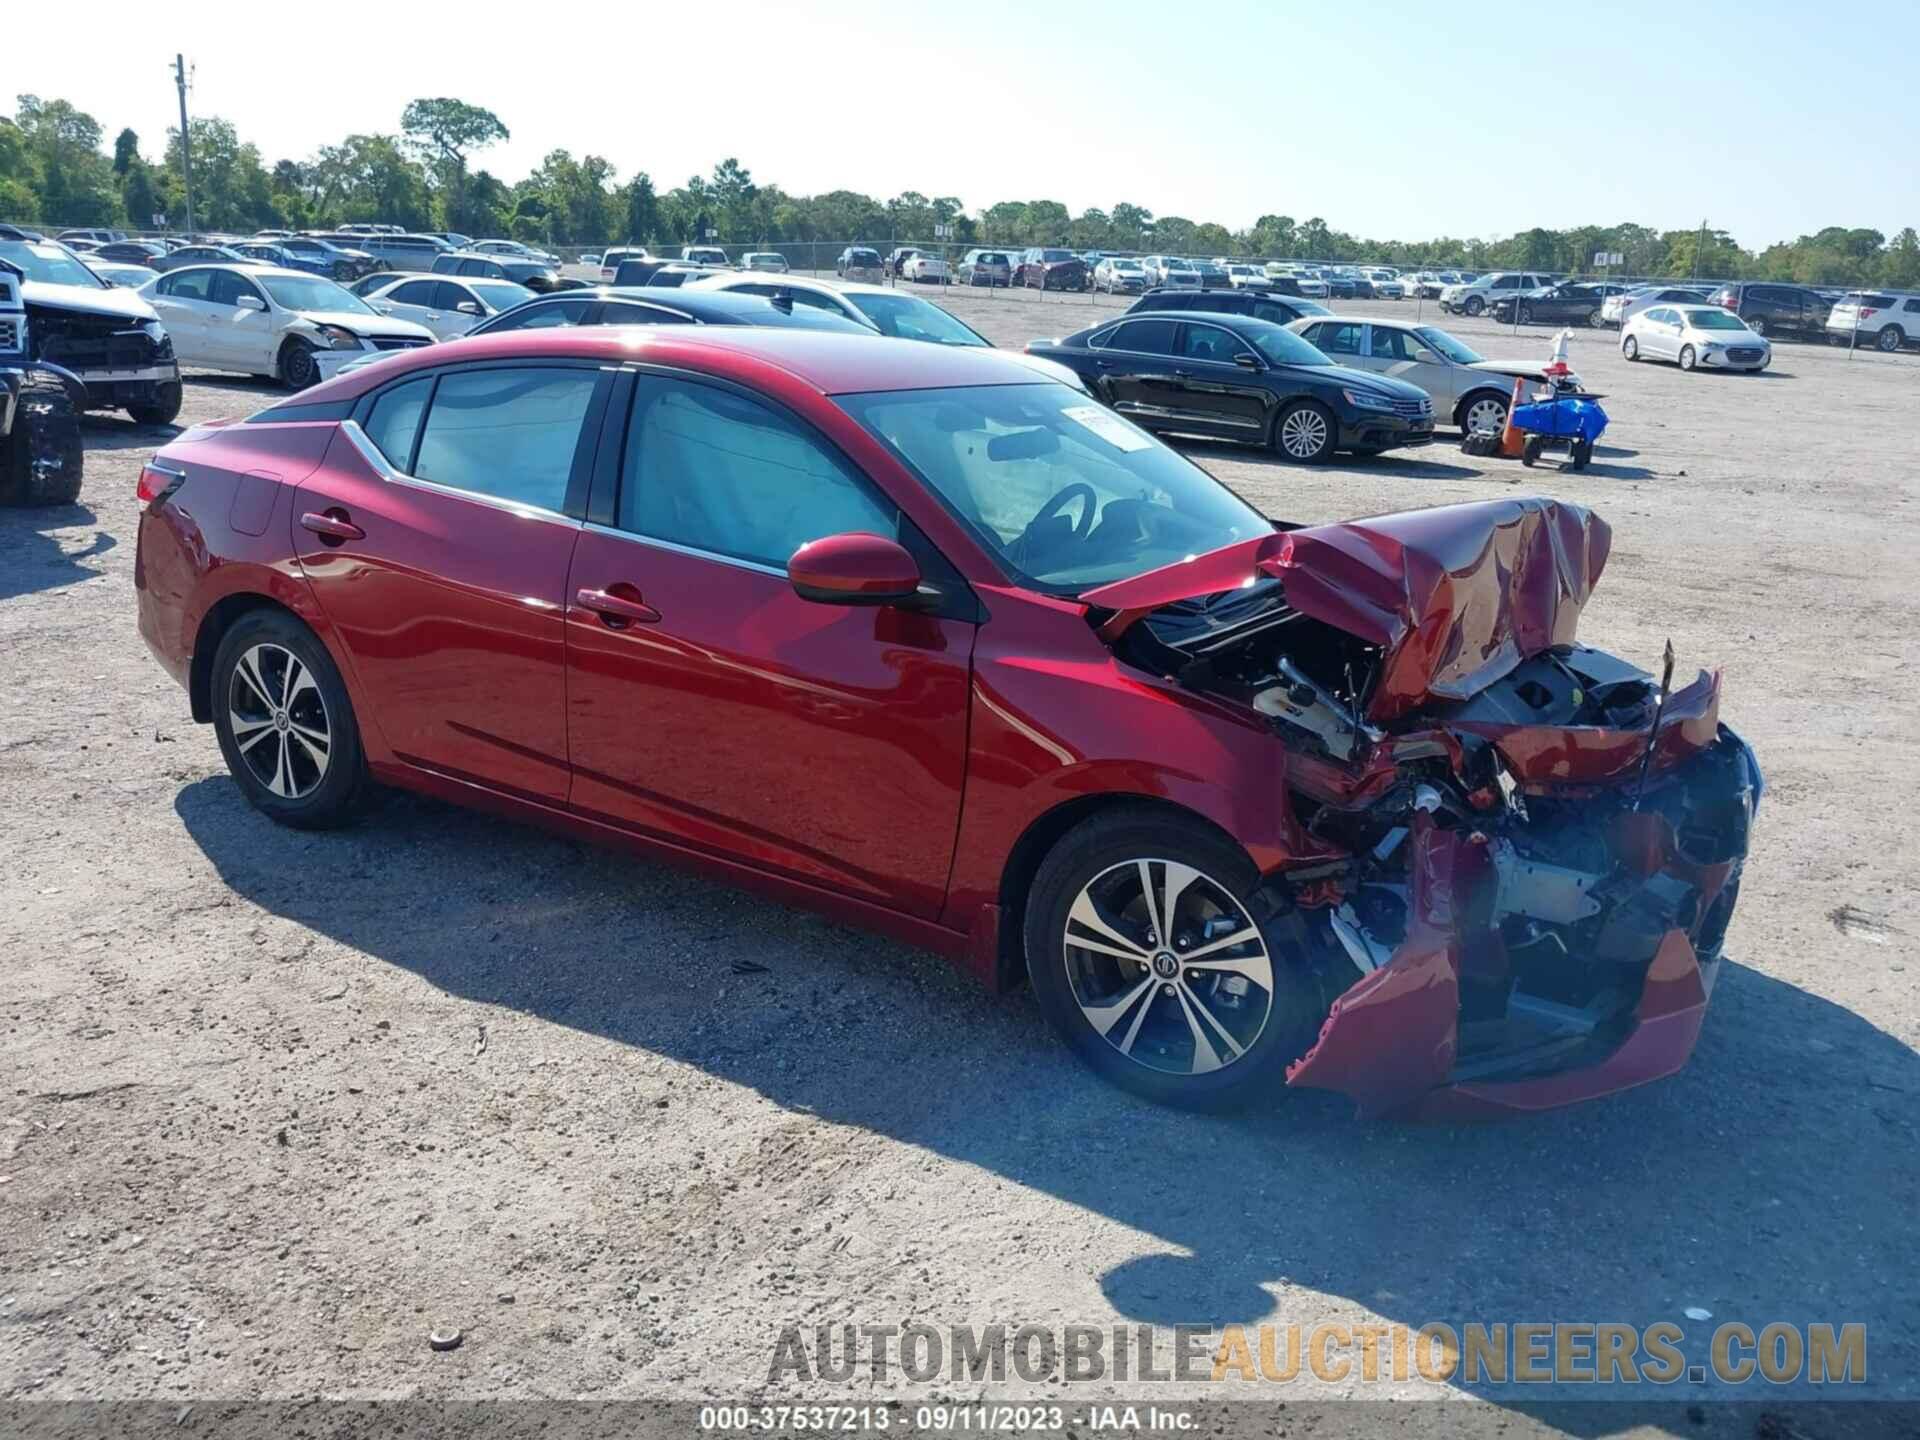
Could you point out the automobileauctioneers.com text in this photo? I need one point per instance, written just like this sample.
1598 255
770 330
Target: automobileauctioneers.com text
1545 1353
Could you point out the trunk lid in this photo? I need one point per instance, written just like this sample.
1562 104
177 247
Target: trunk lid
1455 596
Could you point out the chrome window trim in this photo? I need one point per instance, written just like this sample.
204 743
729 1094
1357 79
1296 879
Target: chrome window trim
387 471
692 551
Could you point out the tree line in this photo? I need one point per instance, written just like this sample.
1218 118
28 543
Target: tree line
56 169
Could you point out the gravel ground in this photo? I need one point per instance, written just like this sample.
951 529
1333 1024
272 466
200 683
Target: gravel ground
274 1106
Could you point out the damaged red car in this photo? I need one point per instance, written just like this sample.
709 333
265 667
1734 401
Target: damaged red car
912 636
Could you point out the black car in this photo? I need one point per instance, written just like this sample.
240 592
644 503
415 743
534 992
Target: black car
648 305
131 252
1771 309
660 274
1212 276
1234 378
1255 302
1556 304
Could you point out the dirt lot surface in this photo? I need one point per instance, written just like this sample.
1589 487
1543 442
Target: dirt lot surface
274 1106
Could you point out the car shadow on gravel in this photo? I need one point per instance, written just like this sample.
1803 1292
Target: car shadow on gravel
1773 1178
32 559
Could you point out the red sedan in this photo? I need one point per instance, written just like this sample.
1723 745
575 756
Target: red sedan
904 633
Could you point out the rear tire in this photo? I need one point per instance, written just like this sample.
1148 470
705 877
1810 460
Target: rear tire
164 409
1530 450
1142 1017
1582 454
1523 314
42 458
1597 320
1758 324
296 757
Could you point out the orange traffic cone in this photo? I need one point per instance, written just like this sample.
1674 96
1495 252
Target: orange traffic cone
1512 442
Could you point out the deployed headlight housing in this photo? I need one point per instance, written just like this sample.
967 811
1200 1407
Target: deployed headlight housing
338 337
153 330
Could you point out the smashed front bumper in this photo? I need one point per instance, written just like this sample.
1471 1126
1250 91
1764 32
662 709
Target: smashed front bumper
1522 985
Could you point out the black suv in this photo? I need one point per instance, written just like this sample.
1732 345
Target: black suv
1257 304
1771 309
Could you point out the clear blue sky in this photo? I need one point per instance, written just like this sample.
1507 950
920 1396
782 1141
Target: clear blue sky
1389 120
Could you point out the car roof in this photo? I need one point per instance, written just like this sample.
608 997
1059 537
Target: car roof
817 360
253 268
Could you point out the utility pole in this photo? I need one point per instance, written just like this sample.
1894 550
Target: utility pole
1698 245
186 135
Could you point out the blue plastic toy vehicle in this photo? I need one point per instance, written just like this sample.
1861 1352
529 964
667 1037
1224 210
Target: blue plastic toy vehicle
1572 420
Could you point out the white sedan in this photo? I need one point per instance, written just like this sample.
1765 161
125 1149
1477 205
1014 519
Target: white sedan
447 306
924 267
1694 337
261 320
890 312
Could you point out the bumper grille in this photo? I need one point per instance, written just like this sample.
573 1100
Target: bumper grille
9 336
398 342
1745 354
1413 409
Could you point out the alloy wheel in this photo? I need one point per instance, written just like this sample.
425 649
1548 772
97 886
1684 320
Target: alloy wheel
1303 433
1168 967
279 721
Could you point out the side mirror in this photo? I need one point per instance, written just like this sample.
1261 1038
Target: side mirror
856 568
1248 362
250 302
468 307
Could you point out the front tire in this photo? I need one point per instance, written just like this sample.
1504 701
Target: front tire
1890 339
298 369
1304 433
285 723
1630 348
1687 358
164 409
1523 314
43 457
1147 960
1475 306
1483 412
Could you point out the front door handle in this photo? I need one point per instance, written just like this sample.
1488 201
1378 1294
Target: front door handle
617 610
332 525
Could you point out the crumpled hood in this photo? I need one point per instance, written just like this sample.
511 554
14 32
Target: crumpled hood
120 304
1455 596
368 325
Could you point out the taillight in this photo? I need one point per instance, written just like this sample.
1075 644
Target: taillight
157 483
1866 311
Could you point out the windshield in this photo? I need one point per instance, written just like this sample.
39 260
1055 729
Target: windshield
1126 264
1455 350
905 317
1178 265
501 294
521 269
1016 463
49 264
310 292
1714 320
1054 257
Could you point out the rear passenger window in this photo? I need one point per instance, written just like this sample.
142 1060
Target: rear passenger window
509 434
395 420
539 317
1338 339
615 313
720 473
1149 337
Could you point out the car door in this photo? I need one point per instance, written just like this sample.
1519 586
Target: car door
240 336
411 300
180 300
1217 382
1662 337
1402 355
707 704
452 321
436 538
1133 370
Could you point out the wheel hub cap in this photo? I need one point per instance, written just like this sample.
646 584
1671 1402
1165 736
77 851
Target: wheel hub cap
279 721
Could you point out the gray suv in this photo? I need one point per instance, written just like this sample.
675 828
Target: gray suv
984 267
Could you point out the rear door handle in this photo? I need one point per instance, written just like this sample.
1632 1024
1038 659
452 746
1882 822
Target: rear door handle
616 610
332 525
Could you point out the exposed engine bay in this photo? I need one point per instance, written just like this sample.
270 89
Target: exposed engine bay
1535 841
